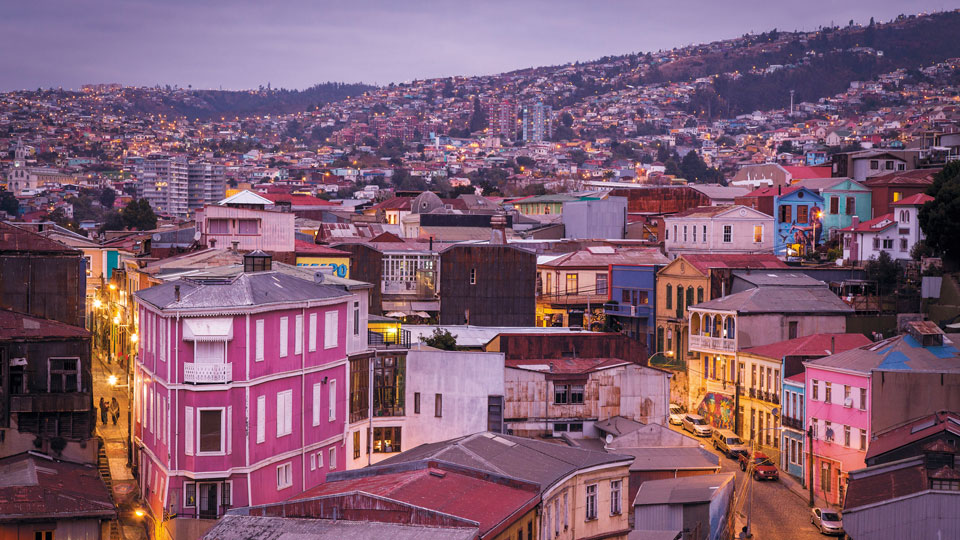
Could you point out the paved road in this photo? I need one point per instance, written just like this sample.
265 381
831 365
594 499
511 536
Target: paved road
778 512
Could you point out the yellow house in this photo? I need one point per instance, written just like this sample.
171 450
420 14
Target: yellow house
687 281
589 503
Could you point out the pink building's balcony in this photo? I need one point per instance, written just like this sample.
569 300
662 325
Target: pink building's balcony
709 344
202 372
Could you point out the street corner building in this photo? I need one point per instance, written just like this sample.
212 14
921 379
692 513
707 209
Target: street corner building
240 390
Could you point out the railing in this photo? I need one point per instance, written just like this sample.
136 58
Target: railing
202 372
50 402
794 423
412 288
764 395
708 344
401 338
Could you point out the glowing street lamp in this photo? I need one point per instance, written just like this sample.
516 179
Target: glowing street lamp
134 338
97 304
112 380
116 320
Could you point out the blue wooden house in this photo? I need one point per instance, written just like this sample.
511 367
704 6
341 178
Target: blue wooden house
798 212
631 307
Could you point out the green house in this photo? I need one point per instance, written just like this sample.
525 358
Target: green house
842 201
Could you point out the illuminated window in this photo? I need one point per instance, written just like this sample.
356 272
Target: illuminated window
386 440
758 233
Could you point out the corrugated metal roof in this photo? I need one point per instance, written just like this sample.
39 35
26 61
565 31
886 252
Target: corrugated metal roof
15 325
36 487
244 290
901 353
779 300
706 261
20 240
671 458
815 345
536 461
688 489
915 430
232 527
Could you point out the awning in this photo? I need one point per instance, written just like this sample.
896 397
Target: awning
423 314
425 306
213 329
396 306
396 314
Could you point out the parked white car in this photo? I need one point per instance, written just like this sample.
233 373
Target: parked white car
676 414
828 521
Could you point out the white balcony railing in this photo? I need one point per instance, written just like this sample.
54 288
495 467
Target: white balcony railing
711 344
202 372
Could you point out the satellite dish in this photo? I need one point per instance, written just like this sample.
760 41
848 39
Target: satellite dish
609 438
156 237
196 235
848 402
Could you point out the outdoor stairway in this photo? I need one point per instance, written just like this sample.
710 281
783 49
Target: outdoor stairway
103 465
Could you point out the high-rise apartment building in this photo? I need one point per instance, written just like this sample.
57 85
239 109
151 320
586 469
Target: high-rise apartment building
502 115
537 122
175 186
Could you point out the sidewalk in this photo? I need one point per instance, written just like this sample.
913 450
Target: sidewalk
125 489
796 487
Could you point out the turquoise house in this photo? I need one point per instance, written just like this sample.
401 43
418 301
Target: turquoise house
844 200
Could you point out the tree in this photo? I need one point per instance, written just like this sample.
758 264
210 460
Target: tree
940 218
442 339
107 197
566 119
112 221
139 215
9 203
884 270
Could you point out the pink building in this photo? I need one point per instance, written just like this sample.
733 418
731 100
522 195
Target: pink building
240 389
837 408
242 220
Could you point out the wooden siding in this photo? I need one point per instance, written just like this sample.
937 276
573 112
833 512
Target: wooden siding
504 292
46 286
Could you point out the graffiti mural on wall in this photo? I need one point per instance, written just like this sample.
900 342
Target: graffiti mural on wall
717 410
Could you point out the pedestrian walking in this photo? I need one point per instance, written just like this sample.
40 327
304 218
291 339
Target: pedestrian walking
103 410
114 409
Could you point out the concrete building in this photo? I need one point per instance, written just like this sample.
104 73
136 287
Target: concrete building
420 396
537 122
595 218
176 186
502 118
718 229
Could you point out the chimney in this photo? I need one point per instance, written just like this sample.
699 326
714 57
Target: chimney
176 292
854 221
235 246
833 344
498 235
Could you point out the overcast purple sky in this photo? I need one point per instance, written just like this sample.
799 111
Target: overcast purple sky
296 43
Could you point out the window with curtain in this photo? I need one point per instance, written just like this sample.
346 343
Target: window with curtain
248 226
212 352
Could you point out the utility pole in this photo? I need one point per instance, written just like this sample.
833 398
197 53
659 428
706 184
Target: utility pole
736 405
791 102
810 460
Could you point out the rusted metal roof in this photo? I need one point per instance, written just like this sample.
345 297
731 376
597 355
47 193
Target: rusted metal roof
706 261
15 325
15 239
36 487
236 527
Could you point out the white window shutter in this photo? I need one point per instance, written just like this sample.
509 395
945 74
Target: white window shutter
283 336
312 346
298 335
331 323
333 399
288 410
261 418
317 393
259 357
281 414
188 430
230 429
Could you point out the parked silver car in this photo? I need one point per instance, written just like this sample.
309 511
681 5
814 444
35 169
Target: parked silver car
694 423
676 414
828 521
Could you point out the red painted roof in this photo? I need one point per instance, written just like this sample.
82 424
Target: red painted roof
917 199
915 430
798 378
473 497
815 345
873 225
307 248
39 488
297 200
704 262
15 325
885 486
802 173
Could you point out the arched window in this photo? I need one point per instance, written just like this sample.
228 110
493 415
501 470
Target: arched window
659 339
695 327
689 296
679 301
699 295
669 296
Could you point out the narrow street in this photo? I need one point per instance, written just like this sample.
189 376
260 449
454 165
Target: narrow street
115 438
779 513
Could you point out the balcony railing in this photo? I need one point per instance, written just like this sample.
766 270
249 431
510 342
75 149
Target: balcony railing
710 344
203 373
412 288
793 423
51 402
764 395
399 338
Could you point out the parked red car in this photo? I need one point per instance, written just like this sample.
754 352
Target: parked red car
763 467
